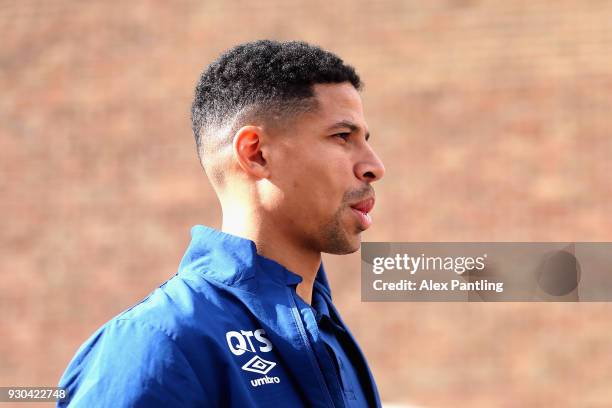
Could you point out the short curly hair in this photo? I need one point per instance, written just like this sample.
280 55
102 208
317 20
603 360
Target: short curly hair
264 80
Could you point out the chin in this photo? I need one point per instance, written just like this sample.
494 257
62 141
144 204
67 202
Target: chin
338 238
345 251
346 245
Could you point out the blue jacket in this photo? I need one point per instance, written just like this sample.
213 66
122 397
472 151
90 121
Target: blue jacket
225 331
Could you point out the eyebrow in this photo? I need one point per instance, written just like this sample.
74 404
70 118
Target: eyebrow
348 124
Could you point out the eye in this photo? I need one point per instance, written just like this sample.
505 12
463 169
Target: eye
344 136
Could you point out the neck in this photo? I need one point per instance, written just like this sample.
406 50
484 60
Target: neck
274 244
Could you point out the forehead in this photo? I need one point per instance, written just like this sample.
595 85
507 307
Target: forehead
337 103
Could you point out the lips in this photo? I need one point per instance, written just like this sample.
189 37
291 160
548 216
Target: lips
364 206
361 210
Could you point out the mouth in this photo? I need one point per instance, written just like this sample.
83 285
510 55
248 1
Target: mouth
362 209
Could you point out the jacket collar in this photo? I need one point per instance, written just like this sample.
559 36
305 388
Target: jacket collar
233 261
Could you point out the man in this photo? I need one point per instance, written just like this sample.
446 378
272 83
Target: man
248 320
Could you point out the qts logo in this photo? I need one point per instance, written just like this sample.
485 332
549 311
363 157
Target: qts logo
242 341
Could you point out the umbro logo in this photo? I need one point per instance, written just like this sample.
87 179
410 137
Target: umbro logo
259 365
243 341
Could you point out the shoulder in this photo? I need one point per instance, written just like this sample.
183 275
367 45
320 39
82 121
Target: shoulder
178 308
165 346
130 363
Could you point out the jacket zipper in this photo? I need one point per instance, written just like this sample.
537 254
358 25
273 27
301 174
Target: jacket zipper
298 320
372 384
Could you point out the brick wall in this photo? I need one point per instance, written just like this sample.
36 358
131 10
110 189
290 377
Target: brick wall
492 119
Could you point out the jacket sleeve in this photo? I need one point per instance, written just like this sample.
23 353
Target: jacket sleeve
128 363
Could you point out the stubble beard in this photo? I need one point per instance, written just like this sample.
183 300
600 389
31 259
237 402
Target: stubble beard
335 236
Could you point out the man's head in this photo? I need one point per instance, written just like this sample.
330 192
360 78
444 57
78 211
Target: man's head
280 132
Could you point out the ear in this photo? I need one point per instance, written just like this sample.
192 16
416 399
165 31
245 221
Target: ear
247 148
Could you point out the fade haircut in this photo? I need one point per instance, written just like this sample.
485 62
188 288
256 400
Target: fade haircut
263 82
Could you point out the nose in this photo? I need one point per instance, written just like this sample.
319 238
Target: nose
370 168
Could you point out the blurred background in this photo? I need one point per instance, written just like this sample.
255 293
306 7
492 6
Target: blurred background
492 117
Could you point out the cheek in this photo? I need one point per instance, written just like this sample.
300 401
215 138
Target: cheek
315 184
319 194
